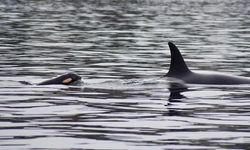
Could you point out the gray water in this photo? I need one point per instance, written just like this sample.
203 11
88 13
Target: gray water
120 50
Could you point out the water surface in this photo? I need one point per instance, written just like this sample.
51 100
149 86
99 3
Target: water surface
120 50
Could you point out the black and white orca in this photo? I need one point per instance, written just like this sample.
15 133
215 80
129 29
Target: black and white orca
65 79
178 69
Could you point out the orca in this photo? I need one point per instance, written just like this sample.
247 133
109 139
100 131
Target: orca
178 69
65 79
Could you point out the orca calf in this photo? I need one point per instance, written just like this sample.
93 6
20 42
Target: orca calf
178 69
65 79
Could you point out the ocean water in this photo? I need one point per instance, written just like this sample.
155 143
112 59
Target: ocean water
120 50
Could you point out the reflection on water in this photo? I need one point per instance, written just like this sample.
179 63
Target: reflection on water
120 50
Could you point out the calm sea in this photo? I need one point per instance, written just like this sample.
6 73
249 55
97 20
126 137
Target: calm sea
119 48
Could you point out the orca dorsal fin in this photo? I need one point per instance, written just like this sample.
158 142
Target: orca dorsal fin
177 65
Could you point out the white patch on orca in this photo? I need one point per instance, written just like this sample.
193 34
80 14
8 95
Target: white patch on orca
67 81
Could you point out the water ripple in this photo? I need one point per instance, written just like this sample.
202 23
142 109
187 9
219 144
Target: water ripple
120 50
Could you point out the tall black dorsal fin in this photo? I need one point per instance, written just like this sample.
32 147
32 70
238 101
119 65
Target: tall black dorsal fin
178 65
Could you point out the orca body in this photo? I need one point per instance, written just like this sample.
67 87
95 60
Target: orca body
65 79
178 69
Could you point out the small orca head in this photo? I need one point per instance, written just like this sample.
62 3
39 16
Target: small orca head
65 79
178 66
69 78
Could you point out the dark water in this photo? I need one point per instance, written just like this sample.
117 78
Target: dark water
120 50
